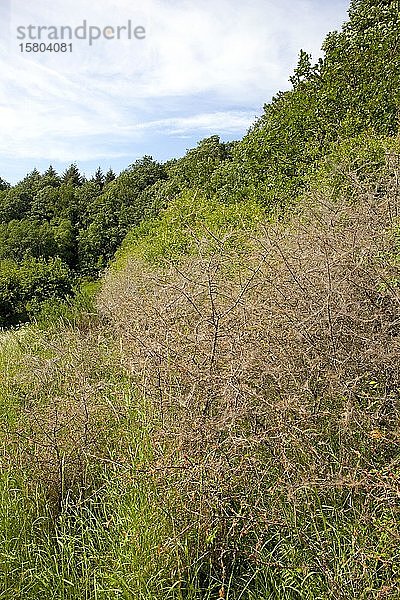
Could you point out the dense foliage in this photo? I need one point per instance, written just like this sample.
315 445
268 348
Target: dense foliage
62 228
82 222
355 87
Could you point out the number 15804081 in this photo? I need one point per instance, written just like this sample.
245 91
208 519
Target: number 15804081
56 47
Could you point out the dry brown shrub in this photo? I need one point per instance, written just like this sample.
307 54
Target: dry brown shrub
275 372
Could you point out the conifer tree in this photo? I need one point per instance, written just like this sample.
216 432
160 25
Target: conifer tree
4 185
72 176
99 178
51 177
110 176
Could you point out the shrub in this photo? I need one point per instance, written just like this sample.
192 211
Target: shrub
24 286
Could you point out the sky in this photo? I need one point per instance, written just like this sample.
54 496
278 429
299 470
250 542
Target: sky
196 68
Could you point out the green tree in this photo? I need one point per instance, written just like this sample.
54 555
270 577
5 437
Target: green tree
46 203
51 178
26 237
196 168
72 176
82 204
355 87
14 204
110 176
4 185
24 286
99 178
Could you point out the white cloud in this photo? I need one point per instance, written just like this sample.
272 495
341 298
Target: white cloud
203 66
227 122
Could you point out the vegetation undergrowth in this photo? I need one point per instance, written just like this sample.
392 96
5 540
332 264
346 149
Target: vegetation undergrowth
228 425
219 418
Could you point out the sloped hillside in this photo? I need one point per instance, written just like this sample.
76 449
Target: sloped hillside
220 419
227 424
